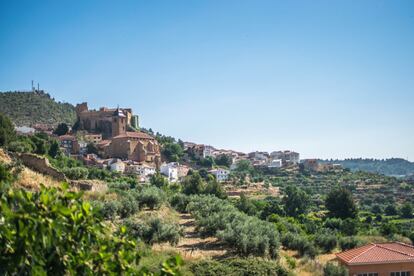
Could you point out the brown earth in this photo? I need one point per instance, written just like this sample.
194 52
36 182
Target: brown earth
193 245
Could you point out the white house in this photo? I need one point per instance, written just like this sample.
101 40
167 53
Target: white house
170 170
117 166
143 171
208 151
287 156
220 174
275 163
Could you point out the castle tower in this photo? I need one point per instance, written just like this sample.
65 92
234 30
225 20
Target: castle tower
119 123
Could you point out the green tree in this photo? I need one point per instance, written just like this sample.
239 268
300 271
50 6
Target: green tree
223 160
61 129
390 210
54 149
158 180
406 210
296 201
7 132
91 148
340 203
172 151
193 184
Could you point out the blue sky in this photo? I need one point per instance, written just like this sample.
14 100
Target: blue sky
329 79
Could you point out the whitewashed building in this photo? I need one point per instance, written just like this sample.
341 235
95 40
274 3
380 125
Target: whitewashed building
220 174
275 163
170 170
117 166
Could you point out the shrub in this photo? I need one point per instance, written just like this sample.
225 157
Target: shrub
299 243
76 173
350 242
326 242
110 209
331 269
128 206
388 229
333 223
291 262
158 180
20 146
237 266
179 202
406 211
154 231
54 232
152 197
349 227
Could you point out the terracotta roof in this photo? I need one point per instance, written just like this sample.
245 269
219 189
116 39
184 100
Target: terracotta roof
393 252
103 143
67 137
138 135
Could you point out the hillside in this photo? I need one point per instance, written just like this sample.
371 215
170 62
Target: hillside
393 166
28 108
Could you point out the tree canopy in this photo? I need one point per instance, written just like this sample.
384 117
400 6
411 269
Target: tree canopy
340 203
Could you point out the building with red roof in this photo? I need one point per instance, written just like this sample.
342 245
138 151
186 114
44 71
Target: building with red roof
379 259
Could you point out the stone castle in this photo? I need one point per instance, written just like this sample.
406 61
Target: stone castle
121 139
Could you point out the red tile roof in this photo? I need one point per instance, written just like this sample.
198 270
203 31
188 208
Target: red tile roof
393 252
67 137
137 135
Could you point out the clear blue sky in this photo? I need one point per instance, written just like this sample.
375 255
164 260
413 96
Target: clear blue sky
324 78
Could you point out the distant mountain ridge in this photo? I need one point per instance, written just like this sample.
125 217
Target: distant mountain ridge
29 108
392 166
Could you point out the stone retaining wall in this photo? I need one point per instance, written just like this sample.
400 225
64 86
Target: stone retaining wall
41 165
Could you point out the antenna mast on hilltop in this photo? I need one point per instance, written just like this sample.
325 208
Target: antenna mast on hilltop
33 86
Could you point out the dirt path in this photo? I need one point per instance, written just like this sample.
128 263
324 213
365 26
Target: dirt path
192 245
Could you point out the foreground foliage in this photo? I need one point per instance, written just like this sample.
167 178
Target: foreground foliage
55 232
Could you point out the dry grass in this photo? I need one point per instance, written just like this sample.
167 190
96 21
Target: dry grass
31 180
165 213
28 178
4 157
306 266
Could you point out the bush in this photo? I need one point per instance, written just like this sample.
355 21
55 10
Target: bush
350 242
179 202
20 147
299 243
151 197
327 242
110 209
237 266
54 232
154 231
388 229
128 206
333 223
76 173
331 269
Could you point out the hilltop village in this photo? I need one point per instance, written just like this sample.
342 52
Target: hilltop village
111 138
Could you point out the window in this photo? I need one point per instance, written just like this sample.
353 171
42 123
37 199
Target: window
401 273
368 274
